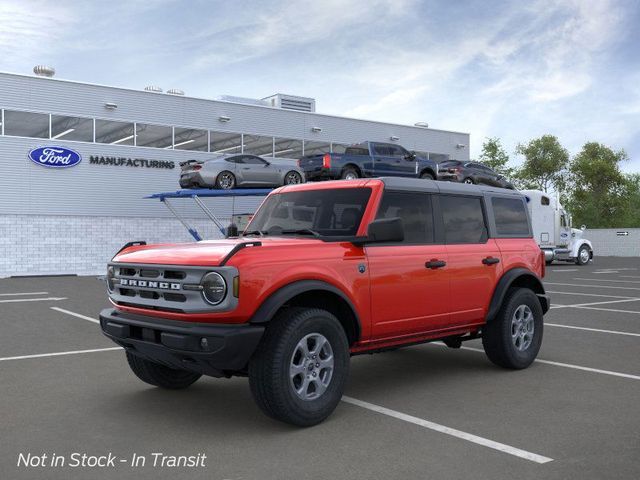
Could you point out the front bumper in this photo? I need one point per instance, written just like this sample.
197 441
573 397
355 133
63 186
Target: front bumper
180 345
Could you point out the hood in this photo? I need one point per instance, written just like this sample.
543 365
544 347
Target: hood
205 253
577 233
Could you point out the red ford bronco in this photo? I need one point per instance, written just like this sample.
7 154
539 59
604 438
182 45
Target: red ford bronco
325 271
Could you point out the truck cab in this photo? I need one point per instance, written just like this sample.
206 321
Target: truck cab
552 230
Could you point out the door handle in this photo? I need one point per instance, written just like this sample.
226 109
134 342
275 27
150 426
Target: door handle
490 260
433 264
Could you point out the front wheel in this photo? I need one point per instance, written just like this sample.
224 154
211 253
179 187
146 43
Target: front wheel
159 375
292 178
584 255
513 338
225 180
300 368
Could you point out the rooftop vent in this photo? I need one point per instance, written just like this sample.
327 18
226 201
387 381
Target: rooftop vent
292 102
44 71
175 91
153 88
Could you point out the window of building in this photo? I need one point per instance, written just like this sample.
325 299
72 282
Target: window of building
316 148
225 143
115 133
438 157
415 211
511 217
190 139
71 128
26 124
156 136
287 148
463 219
257 145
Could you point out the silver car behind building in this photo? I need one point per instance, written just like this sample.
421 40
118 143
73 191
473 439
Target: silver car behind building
240 170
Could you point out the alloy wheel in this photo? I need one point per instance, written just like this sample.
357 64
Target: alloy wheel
311 366
522 327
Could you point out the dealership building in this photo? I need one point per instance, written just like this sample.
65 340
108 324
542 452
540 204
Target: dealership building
128 144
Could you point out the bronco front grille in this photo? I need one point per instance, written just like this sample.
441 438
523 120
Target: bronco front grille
162 287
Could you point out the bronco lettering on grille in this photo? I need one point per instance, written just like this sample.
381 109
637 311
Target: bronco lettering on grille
145 283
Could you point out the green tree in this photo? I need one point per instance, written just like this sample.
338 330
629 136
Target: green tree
545 164
600 194
495 157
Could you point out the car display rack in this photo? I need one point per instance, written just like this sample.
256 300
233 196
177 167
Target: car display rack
196 195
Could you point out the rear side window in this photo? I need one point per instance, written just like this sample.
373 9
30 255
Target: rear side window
415 211
511 217
357 151
463 219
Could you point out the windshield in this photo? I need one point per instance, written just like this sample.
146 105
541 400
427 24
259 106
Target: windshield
333 212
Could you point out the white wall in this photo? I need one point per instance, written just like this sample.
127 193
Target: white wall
607 242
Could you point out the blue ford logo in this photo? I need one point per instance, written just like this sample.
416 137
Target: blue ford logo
55 157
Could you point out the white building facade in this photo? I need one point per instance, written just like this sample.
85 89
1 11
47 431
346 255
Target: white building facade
129 144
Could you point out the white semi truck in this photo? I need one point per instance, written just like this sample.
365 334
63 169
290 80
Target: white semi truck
552 230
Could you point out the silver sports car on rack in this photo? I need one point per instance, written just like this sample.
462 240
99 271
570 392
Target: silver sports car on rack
240 170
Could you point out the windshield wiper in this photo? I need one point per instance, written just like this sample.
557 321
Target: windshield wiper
254 232
302 231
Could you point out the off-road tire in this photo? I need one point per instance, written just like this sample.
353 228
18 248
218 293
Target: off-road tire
579 260
269 377
427 176
349 172
220 180
497 335
159 375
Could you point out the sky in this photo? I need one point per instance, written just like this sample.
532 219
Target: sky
509 69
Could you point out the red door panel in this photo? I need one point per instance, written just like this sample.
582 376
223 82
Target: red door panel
472 281
406 296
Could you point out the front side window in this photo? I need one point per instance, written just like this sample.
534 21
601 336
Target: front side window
511 217
251 160
415 211
327 213
463 219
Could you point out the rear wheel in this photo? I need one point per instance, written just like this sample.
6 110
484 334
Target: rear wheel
350 173
292 178
159 375
513 338
300 369
225 180
584 255
427 176
468 181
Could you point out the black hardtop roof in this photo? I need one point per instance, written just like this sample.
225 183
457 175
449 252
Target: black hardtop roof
434 186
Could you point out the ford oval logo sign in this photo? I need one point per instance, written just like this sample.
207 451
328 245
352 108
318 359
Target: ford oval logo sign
55 157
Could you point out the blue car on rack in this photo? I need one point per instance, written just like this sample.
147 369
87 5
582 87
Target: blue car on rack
368 159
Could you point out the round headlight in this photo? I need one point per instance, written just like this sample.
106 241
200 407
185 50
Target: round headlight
214 288
111 273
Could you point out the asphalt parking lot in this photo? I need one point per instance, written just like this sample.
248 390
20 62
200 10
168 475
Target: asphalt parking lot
424 412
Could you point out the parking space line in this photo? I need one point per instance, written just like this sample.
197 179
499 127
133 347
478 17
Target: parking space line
561 270
605 280
57 354
629 276
547 324
594 303
592 286
565 365
74 314
610 310
588 294
22 293
47 299
533 457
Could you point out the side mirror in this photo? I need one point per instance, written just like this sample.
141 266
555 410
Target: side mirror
383 230
410 156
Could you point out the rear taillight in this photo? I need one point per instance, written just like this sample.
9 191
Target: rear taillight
326 160
454 170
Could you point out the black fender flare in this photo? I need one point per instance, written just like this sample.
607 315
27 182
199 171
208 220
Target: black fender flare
280 297
507 280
